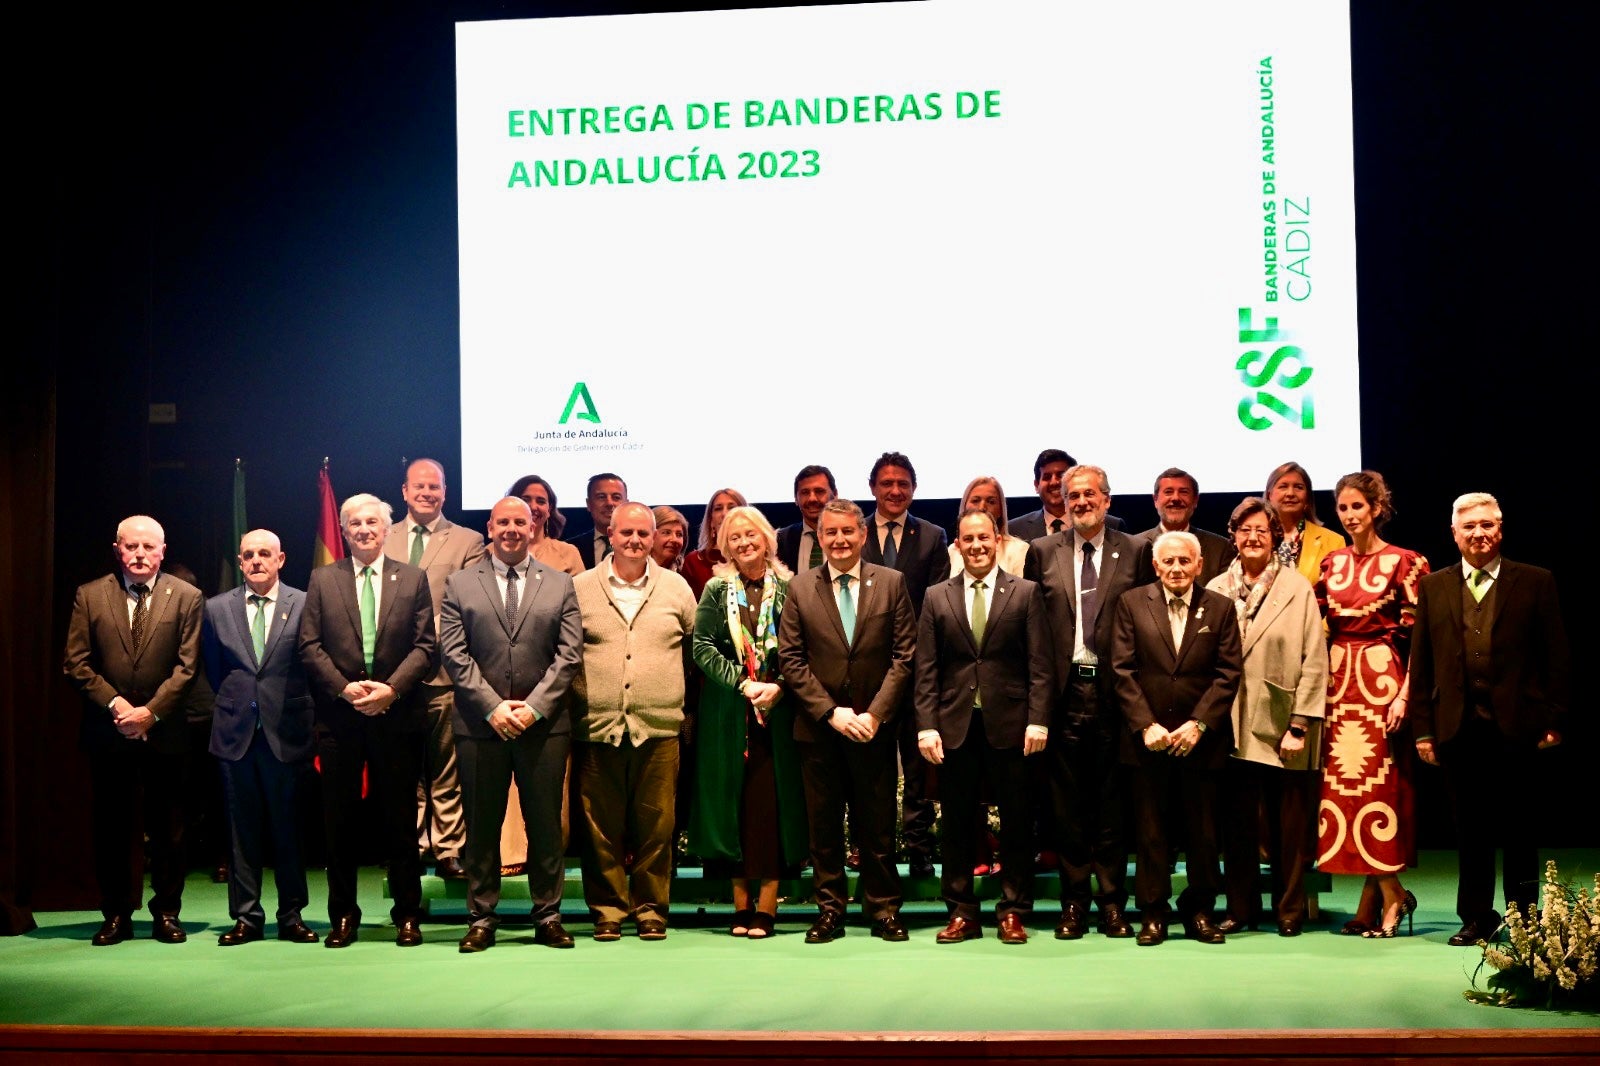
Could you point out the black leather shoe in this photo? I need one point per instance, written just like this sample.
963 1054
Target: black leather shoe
450 869
606 931
1074 922
408 933
552 934
343 933
1113 923
296 932
113 931
1202 928
478 938
958 930
167 930
652 929
241 933
889 928
219 876
920 866
827 928
1474 931
1154 931
1230 924
1288 927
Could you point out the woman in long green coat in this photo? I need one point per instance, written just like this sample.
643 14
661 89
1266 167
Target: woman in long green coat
749 812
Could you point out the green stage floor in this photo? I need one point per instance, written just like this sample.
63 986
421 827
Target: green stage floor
700 979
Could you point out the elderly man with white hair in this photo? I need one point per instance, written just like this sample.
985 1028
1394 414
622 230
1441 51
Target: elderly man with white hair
1489 676
368 643
133 645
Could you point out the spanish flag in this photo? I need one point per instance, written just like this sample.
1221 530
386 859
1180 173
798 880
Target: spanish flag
330 538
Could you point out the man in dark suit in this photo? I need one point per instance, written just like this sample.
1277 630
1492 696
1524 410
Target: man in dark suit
1176 496
1489 690
367 640
512 639
798 546
918 550
846 640
1049 481
983 705
261 735
1176 656
429 540
606 492
1081 573
133 645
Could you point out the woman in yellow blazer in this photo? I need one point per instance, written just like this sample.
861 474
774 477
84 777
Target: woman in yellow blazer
1304 541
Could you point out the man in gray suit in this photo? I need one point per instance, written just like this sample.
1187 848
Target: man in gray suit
261 735
512 639
429 540
133 645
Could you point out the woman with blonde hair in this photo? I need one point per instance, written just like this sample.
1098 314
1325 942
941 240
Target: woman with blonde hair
1305 541
984 493
698 565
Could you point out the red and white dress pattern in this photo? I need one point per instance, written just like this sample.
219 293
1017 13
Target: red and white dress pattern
1365 823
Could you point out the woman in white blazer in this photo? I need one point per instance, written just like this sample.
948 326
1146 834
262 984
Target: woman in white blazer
1277 722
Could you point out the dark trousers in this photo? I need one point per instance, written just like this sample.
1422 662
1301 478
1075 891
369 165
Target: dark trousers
394 765
836 771
1493 784
917 775
1088 796
538 762
961 779
1286 799
261 797
1184 789
628 804
127 779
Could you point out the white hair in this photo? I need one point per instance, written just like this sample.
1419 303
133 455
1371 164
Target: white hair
135 520
1189 540
1470 500
363 499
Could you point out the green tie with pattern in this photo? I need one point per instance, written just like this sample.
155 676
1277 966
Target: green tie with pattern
369 617
417 533
816 551
258 627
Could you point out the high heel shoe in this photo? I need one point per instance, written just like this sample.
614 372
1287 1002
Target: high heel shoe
1355 927
1408 908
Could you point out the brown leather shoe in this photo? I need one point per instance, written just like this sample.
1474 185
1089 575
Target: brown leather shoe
958 930
167 930
652 929
241 933
408 933
343 933
1113 923
296 932
113 930
478 938
450 869
1074 921
607 931
1201 928
552 934
1012 931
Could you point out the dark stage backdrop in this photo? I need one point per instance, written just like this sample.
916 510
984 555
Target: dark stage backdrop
251 215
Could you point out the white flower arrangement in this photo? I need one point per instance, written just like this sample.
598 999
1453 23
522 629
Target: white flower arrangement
1548 957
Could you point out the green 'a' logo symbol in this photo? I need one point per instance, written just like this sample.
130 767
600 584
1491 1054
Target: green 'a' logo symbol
580 393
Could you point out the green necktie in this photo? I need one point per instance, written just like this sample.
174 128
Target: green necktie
847 608
980 613
816 551
1479 585
369 617
417 533
258 627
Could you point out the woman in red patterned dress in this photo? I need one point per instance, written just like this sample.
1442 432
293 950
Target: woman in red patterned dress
1368 594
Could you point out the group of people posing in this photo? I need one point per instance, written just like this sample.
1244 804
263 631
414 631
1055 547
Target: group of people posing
1259 692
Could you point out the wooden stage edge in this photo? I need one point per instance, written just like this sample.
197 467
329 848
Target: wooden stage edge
92 1045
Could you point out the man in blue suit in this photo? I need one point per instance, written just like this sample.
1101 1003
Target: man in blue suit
261 735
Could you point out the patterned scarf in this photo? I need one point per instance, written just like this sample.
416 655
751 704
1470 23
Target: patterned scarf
1289 550
1247 600
758 650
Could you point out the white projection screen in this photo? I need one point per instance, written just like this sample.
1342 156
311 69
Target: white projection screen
705 249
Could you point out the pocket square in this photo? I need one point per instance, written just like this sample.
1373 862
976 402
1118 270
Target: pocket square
1205 629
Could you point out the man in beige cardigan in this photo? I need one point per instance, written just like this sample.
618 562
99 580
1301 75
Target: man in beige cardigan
628 708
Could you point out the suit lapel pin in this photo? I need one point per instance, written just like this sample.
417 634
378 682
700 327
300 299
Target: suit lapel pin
394 577
1116 555
869 583
1200 612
